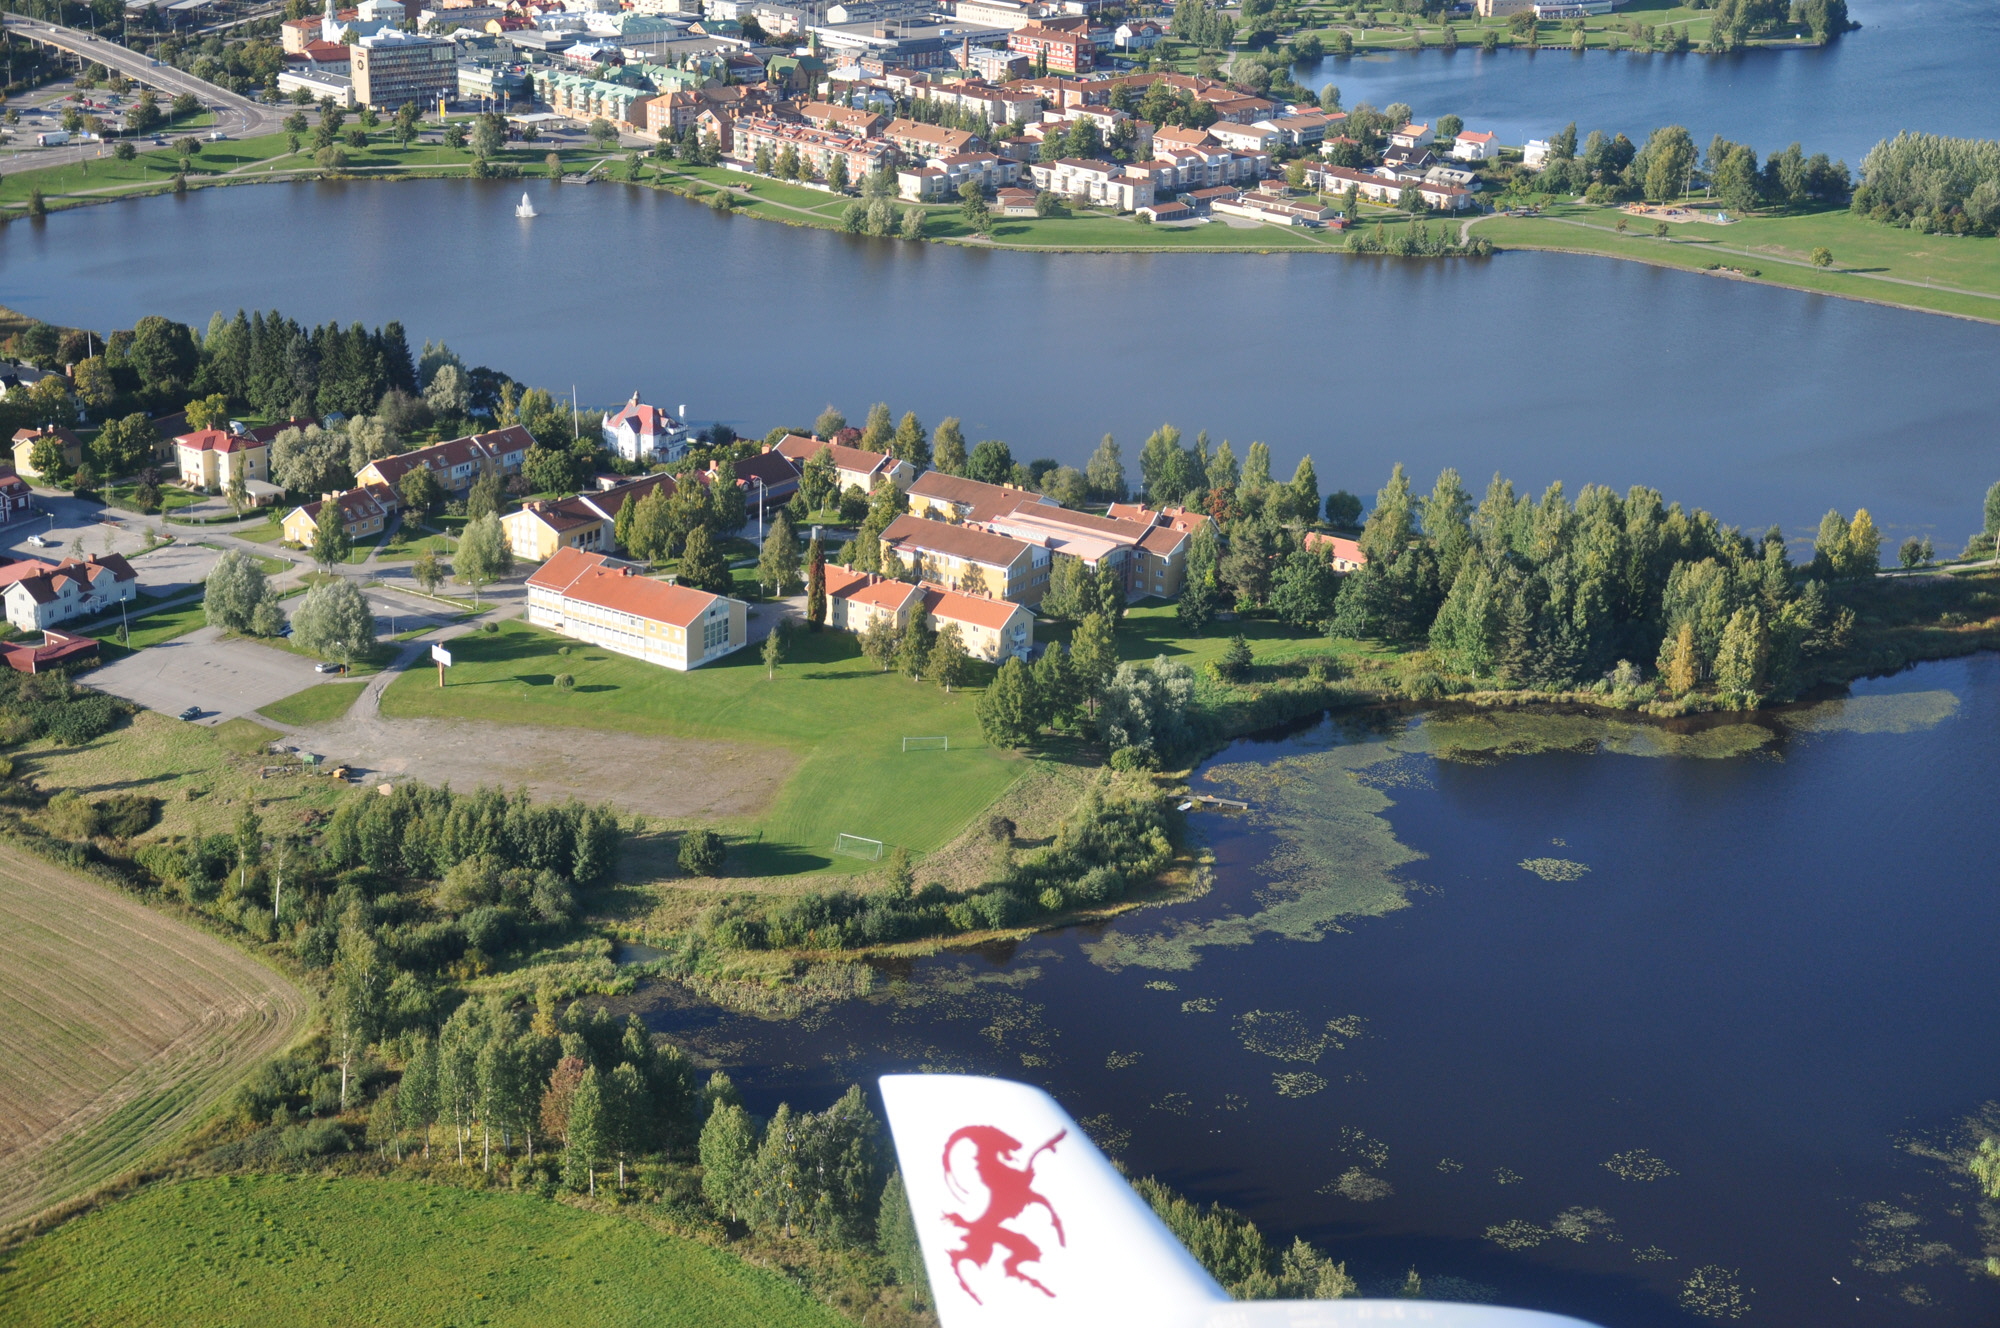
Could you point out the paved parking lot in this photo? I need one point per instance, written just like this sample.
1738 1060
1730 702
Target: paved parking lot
224 678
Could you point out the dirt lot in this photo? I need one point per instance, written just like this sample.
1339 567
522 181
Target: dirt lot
118 1026
671 778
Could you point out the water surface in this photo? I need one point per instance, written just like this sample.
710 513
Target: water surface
1747 981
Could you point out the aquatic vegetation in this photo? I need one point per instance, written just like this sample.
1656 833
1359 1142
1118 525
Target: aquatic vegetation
1235 1102
1555 869
1358 1185
1175 1104
1505 1176
1199 1005
1713 1292
1297 1085
1284 1034
1104 1132
1123 1060
1519 1234
1357 1142
1580 1224
1893 1240
1896 712
1487 736
1161 986
1336 858
1651 1254
1638 1164
1450 1167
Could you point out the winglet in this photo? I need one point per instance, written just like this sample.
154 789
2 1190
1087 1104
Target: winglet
1022 1220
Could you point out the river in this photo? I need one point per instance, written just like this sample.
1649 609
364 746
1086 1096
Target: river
1743 986
1913 65
1762 405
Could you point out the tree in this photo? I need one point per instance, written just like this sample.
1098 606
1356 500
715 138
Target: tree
1234 664
991 462
947 660
1343 510
829 423
1743 661
1072 588
878 642
420 491
816 583
427 571
1864 547
331 543
46 456
972 201
354 997
333 621
877 432
1006 708
210 412
417 1093
913 649
836 174
774 649
778 563
1093 657
588 1131
1666 163
701 852
124 445
1991 511
1681 666
728 1155
948 448
487 497
233 592
1304 590
1106 471
484 555
702 564
909 442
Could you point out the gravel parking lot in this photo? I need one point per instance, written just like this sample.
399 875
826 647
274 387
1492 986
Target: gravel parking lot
224 678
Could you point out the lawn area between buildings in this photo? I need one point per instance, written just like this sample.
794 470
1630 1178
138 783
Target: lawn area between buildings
152 629
844 719
315 705
1917 267
243 1250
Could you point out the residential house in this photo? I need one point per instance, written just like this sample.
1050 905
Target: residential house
1161 565
943 177
363 512
456 464
1102 183
844 119
589 521
1345 554
640 432
1471 146
769 477
1015 202
854 600
1067 52
1410 136
1147 553
1172 138
1246 137
952 555
1386 188
1170 211
920 142
992 630
817 148
1234 109
1535 155
608 603
954 498
854 467
16 498
212 459
1305 130
1136 35
38 595
24 448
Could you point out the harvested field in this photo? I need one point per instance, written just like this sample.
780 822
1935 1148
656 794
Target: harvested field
118 1027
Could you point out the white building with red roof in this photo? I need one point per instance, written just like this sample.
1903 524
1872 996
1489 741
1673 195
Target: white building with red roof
212 458
38 595
609 603
854 467
992 629
640 432
1345 554
1470 146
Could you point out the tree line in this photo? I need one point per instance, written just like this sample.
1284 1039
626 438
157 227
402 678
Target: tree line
1934 184
1610 169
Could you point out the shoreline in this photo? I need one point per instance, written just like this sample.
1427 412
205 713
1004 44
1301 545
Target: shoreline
761 208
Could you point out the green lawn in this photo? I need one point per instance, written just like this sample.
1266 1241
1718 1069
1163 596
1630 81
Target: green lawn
253 1251
315 705
1776 246
154 628
843 719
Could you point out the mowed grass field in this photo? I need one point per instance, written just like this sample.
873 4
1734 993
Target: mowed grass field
118 1026
838 714
268 1250
316 705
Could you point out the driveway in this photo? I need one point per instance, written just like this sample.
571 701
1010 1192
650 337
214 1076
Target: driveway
224 678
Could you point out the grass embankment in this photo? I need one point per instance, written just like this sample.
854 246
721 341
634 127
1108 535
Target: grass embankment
258 1250
1936 273
316 705
118 1027
842 718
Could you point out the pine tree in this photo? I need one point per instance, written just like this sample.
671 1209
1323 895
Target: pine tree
947 660
877 432
1302 494
816 584
914 649
1680 664
1093 657
1054 688
778 564
702 564
948 451
910 443
774 649
1742 663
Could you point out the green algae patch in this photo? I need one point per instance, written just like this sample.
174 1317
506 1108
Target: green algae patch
1896 712
1335 858
1555 869
1488 736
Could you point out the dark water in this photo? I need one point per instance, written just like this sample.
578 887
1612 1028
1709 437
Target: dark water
1762 405
1923 65
1777 975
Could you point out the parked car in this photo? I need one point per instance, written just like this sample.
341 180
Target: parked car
326 668
192 712
39 542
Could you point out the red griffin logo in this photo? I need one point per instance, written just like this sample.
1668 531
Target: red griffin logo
1010 1193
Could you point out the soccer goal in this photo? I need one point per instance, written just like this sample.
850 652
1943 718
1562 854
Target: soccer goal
855 846
927 744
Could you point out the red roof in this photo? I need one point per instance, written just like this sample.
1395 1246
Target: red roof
802 450
1344 549
868 588
956 606
647 421
217 440
980 546
592 578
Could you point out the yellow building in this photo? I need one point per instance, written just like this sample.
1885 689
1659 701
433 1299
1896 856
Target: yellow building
607 603
362 511
24 449
951 555
211 458
588 521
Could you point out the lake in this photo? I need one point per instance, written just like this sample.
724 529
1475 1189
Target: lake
1913 65
1762 405
1559 1028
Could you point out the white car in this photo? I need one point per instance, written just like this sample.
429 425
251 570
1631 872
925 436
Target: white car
39 542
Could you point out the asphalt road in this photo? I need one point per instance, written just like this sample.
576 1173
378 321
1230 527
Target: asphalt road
236 116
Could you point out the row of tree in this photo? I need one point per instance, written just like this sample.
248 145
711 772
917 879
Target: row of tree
1932 183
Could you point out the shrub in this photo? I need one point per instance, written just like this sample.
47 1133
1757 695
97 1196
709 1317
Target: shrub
123 815
702 852
565 682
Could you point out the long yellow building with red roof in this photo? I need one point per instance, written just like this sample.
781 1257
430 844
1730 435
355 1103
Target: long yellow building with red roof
611 604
